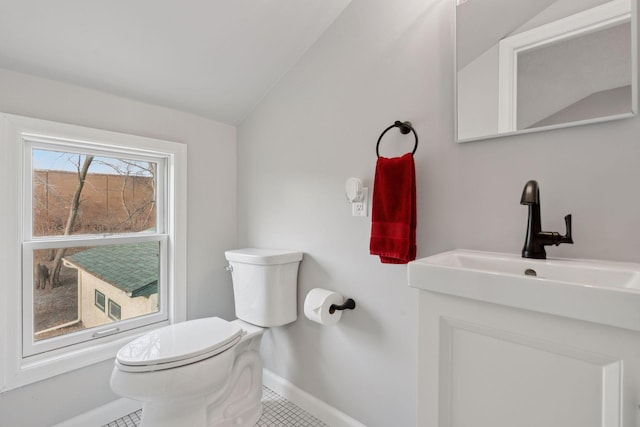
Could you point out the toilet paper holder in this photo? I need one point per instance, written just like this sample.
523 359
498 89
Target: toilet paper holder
349 304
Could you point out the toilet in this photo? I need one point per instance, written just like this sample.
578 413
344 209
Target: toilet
208 372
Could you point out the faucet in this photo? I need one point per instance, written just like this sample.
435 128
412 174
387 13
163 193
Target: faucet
537 239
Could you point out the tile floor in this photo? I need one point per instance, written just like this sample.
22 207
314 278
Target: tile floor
277 412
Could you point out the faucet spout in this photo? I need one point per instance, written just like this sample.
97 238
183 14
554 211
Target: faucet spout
536 239
530 194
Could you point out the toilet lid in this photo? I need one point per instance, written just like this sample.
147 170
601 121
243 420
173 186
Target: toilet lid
183 341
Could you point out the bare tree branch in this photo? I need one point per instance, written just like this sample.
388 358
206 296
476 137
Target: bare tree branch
73 213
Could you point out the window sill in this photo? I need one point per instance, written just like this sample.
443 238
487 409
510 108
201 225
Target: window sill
40 367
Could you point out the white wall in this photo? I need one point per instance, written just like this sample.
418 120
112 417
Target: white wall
211 221
384 61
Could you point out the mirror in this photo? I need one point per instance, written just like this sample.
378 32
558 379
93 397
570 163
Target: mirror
529 65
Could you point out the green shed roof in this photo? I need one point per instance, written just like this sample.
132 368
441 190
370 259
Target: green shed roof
132 267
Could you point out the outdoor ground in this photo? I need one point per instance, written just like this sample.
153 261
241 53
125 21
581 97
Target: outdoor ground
57 306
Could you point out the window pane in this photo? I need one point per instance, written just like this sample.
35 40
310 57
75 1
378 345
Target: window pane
100 299
117 195
68 301
114 310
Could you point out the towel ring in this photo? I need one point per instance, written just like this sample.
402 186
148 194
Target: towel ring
405 128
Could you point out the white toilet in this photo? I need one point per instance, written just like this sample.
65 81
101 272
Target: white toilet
208 372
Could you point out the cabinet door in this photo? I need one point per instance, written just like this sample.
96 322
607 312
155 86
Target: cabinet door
485 365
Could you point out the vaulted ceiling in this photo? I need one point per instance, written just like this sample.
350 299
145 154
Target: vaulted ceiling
214 58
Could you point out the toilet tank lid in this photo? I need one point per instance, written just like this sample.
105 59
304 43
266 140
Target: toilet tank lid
263 256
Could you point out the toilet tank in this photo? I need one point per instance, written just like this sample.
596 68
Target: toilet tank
265 283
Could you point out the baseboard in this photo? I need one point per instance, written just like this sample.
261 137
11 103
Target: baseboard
314 406
103 414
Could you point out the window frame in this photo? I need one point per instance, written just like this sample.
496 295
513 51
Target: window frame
16 367
112 303
30 242
95 300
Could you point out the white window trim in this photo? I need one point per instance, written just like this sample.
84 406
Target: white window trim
16 370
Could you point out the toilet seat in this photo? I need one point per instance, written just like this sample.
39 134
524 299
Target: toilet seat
179 344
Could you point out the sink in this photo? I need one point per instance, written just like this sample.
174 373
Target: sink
596 291
589 273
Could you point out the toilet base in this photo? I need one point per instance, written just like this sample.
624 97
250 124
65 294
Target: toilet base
242 406
247 418
239 404
174 413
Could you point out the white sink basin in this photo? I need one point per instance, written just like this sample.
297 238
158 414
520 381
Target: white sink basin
597 291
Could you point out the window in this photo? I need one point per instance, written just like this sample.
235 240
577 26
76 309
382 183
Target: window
100 218
114 311
99 300
95 218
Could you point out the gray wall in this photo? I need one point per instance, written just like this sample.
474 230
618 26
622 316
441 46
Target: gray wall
600 104
211 222
383 61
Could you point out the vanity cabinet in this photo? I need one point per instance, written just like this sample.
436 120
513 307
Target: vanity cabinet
488 364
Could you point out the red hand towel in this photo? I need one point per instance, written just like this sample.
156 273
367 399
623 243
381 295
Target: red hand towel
393 228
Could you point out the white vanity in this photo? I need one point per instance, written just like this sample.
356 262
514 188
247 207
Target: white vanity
511 342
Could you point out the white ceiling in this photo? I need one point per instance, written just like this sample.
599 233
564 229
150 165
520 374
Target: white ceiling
214 58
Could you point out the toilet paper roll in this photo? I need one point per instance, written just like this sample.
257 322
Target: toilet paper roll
317 303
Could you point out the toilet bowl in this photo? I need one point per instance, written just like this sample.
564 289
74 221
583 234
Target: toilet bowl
208 372
204 372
